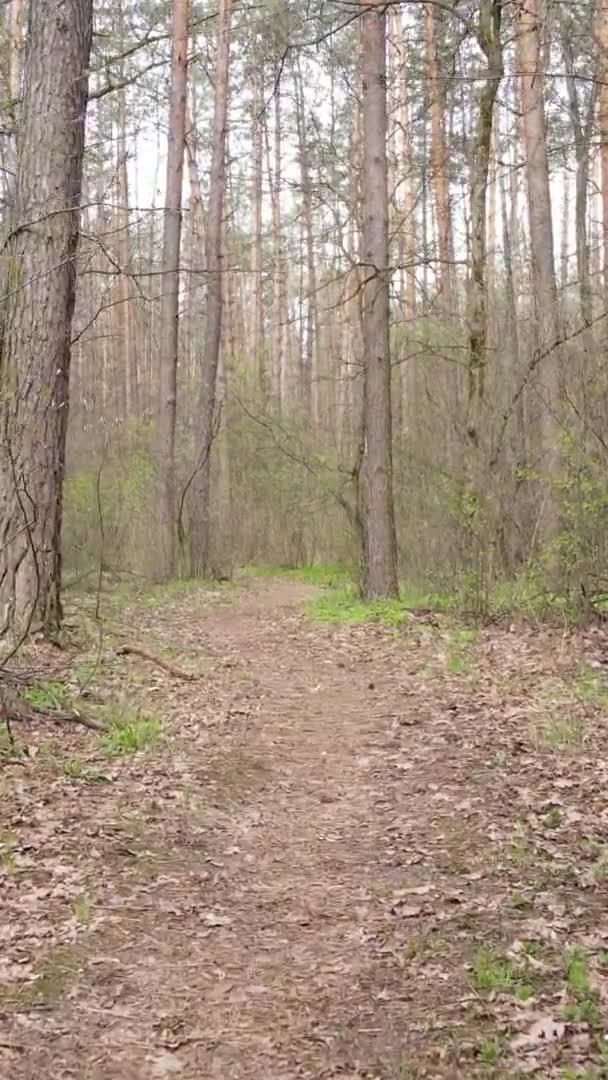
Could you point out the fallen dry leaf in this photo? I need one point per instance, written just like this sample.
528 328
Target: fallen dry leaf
544 1030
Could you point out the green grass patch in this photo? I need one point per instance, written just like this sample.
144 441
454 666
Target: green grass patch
56 974
559 732
581 1074
8 843
458 654
582 1006
489 1051
73 768
81 909
130 731
591 688
327 574
345 607
46 696
150 594
493 973
577 972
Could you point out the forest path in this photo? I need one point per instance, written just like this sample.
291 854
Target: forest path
349 856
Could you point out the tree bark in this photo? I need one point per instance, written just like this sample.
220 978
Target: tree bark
279 305
602 40
582 129
537 172
544 283
41 270
258 327
379 576
170 287
201 513
488 35
439 156
310 380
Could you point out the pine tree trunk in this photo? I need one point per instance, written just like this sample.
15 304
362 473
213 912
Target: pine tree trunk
602 38
544 283
537 177
41 270
169 313
201 512
258 323
310 375
379 577
488 35
439 156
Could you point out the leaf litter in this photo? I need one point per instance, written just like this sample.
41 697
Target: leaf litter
345 857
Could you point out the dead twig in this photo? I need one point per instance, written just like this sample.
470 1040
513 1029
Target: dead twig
134 650
16 714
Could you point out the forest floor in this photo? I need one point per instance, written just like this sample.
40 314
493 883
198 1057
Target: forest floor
355 851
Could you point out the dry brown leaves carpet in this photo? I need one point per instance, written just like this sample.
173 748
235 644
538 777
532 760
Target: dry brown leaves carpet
355 852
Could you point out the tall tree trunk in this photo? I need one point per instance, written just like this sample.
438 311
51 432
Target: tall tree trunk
257 197
127 368
547 321
379 577
565 224
406 214
537 170
601 30
201 512
488 35
278 268
15 20
439 156
310 374
582 128
513 321
170 287
35 359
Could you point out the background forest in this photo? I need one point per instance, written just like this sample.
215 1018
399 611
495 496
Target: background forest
223 184
303 387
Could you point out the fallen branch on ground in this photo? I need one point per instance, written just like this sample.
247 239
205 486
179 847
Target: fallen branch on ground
16 713
134 650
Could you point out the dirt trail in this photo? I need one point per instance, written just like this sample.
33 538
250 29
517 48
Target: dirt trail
296 882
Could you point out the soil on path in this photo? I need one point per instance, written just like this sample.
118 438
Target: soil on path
352 854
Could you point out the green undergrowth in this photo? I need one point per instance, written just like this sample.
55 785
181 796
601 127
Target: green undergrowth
494 973
130 730
531 969
149 593
323 574
54 977
344 605
46 696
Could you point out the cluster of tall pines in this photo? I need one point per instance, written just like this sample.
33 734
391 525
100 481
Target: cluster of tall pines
285 283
